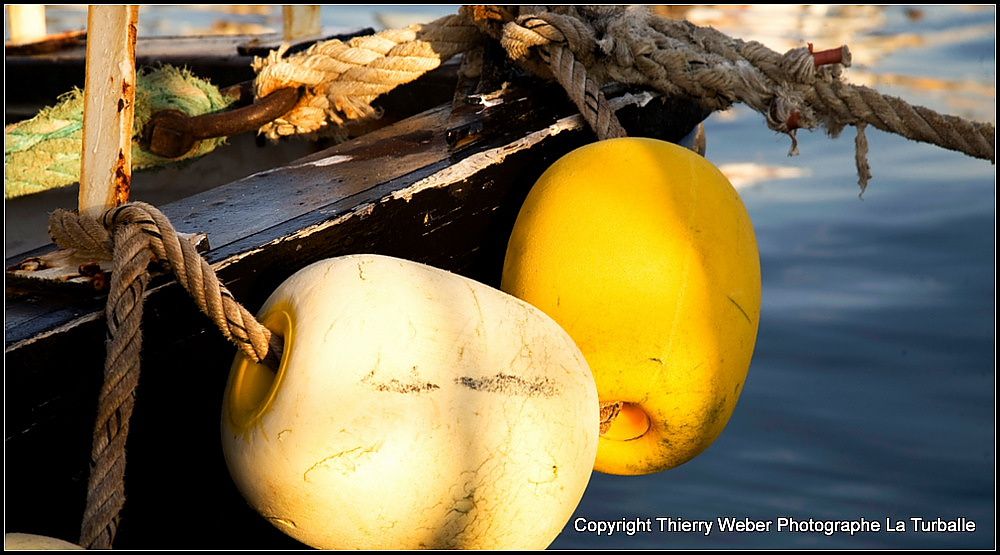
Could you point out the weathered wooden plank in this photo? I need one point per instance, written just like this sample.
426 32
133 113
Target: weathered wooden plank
227 164
108 108
400 191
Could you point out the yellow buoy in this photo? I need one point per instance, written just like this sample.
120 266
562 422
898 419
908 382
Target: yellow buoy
31 542
413 408
644 253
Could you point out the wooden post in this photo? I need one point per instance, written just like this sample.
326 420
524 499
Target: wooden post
301 22
27 23
108 108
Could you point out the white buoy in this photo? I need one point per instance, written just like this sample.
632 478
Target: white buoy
413 408
29 542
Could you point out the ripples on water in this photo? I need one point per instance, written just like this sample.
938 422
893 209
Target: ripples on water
872 388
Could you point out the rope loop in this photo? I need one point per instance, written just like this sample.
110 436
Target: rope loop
549 28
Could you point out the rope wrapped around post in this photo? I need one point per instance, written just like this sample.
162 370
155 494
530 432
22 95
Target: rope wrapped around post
132 236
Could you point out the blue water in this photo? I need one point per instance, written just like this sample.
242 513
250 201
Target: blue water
871 392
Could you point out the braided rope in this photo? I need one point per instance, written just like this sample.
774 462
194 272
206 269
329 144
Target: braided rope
560 51
342 79
674 57
584 47
237 324
133 235
106 486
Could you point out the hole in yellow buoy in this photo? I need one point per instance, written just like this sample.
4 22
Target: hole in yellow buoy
255 384
631 423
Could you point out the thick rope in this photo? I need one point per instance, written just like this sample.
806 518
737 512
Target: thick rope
678 58
557 51
817 93
194 273
133 235
584 47
342 79
106 486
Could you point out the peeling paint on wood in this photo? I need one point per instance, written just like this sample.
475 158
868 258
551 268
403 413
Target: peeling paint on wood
463 169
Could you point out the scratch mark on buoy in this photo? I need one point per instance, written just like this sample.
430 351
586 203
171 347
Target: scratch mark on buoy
510 384
344 461
743 312
414 385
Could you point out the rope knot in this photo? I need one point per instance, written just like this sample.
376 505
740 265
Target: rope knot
70 230
787 113
544 29
799 64
341 79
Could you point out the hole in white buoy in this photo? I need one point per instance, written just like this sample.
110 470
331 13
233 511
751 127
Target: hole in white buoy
254 384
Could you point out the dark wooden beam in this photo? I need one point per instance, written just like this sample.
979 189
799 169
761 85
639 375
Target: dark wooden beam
402 190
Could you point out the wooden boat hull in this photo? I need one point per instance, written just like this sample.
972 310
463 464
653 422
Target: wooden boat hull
404 190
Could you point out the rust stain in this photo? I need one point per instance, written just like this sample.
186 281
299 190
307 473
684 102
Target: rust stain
128 81
793 120
132 33
122 183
